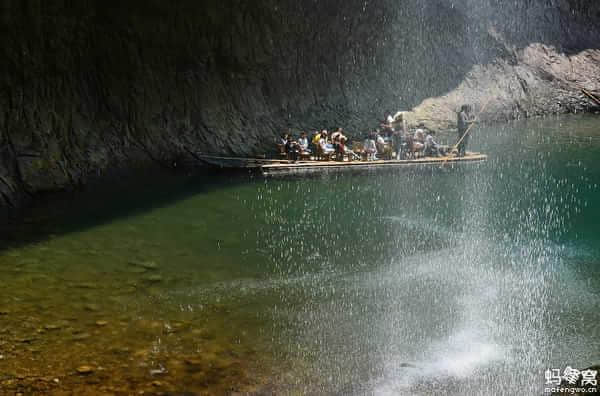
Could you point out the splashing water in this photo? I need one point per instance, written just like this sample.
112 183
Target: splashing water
471 280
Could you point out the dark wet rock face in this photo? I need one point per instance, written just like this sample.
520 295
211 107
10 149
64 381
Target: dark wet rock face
89 87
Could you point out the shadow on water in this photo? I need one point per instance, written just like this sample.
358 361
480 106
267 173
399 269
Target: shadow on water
54 214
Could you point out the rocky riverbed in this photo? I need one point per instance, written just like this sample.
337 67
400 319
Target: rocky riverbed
68 336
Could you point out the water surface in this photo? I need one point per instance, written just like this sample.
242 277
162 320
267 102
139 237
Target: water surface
471 280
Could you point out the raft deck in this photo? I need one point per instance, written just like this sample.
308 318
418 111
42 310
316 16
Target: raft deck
311 166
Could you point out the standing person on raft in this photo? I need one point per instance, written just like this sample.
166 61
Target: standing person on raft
464 121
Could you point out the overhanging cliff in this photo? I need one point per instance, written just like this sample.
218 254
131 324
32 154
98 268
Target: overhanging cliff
91 86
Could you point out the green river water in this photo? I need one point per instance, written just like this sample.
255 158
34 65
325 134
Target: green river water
471 280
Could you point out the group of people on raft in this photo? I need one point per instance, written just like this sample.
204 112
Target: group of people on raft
392 140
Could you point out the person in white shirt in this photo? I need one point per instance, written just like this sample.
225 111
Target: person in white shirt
337 134
419 139
380 144
370 148
325 148
432 148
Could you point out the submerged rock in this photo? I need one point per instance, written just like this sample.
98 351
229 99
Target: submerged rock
137 270
149 265
195 365
85 369
81 336
91 307
53 326
86 285
158 371
26 339
153 278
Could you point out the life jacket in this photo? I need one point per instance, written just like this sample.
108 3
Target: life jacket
316 138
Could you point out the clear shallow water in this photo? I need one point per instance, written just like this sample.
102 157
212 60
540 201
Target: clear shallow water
472 280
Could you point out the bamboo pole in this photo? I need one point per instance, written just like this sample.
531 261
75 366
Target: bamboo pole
590 95
471 126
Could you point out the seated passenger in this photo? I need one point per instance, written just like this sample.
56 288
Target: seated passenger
338 145
350 152
347 150
325 147
380 143
316 137
281 142
431 149
417 147
398 144
384 146
370 148
418 144
291 148
284 139
337 134
420 135
303 143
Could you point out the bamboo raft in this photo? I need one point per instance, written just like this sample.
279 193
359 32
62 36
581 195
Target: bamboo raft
311 166
274 167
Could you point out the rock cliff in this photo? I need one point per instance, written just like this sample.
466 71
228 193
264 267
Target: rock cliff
90 87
